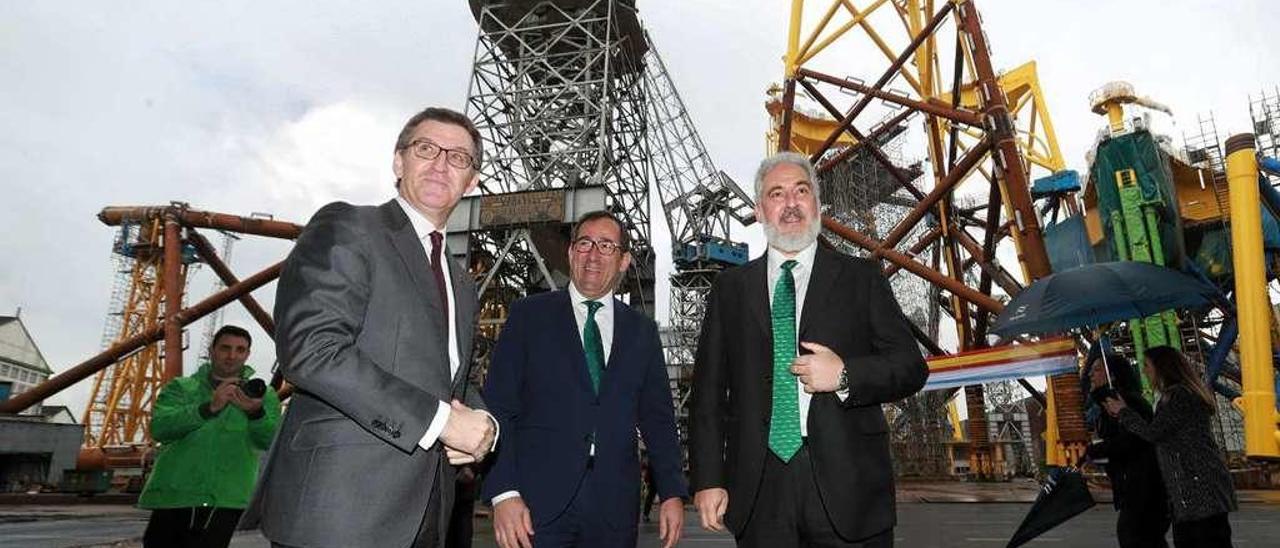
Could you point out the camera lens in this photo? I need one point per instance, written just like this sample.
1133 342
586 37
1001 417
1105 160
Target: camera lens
254 388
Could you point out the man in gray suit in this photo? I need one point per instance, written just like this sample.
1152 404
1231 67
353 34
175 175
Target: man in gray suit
374 327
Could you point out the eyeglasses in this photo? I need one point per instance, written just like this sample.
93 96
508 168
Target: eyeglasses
456 157
606 247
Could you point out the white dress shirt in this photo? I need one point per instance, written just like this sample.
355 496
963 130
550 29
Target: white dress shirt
604 320
800 273
423 228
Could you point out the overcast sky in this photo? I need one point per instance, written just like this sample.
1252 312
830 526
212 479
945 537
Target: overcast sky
280 107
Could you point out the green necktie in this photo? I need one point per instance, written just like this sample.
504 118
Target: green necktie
593 345
784 425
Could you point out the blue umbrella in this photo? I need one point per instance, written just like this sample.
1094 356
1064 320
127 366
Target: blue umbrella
1099 293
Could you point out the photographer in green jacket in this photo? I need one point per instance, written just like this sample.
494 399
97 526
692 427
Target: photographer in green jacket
209 427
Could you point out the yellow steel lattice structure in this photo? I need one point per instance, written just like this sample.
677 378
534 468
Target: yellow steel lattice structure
120 402
986 136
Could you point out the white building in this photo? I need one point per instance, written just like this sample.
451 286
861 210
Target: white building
21 364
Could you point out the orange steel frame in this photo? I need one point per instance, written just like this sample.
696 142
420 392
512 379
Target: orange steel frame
148 351
976 145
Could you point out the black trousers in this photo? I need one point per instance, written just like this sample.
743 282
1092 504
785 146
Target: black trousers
1211 532
789 513
461 528
429 533
203 527
1142 527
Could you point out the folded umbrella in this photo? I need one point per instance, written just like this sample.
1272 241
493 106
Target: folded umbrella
1063 496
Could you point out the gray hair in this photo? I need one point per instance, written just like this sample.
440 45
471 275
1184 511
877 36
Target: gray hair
788 157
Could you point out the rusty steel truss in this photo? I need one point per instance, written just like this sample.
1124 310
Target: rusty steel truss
157 244
950 221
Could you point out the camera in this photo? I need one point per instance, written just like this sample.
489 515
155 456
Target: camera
253 388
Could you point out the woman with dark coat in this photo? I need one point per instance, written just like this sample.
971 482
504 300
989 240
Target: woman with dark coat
1137 490
1195 474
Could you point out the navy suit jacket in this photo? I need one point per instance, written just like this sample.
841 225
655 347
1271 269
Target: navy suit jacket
540 391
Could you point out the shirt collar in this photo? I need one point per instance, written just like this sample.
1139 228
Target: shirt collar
804 257
421 225
578 297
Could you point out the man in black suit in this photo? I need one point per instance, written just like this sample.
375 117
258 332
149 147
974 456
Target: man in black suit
798 350
374 325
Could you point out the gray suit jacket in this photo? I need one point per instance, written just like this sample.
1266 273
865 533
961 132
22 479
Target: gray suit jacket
358 333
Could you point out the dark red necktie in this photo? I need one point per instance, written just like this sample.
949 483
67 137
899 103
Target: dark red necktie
437 270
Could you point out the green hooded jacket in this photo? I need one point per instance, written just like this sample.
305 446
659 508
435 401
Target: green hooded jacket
205 461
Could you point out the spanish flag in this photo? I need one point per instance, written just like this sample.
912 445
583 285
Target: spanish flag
1012 361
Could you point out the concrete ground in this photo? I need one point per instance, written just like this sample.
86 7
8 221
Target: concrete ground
930 515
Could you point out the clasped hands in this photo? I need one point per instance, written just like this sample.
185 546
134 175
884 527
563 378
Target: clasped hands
468 435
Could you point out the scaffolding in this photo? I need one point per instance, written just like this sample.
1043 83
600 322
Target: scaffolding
1265 113
122 395
214 322
1204 150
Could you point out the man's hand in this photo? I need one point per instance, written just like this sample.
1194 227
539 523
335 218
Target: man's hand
512 524
468 431
670 521
712 504
819 371
222 395
245 403
458 458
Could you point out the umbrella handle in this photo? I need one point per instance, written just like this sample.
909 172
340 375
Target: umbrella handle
1101 337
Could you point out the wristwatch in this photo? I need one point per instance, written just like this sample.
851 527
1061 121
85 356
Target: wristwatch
844 379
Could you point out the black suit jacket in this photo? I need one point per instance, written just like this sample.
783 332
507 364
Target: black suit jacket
849 308
359 334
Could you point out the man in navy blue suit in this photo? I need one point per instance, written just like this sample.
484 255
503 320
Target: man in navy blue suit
575 373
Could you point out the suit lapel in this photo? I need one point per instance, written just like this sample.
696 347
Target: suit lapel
757 294
571 342
409 247
622 326
822 276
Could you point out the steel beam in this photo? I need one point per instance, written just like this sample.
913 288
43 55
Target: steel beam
926 240
884 78
874 92
170 277
943 189
123 348
788 105
986 262
206 253
862 140
1002 138
933 276
115 216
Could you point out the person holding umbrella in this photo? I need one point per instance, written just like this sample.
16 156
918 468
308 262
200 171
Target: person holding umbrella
1195 474
1137 491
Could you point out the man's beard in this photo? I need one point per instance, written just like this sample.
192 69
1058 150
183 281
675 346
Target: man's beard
793 243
